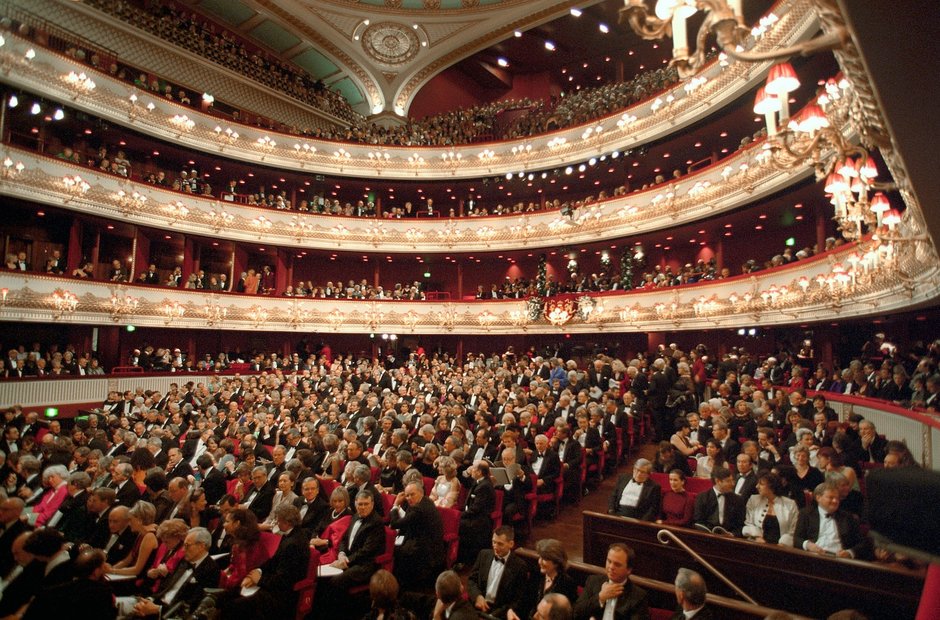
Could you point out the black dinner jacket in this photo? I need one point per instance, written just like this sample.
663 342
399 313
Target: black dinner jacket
807 528
422 529
512 585
287 566
750 484
631 604
214 486
480 503
369 542
128 494
316 510
648 505
706 511
551 468
206 575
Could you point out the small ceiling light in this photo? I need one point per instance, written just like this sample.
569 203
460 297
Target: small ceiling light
550 46
517 33
575 11
58 114
14 101
603 27
36 109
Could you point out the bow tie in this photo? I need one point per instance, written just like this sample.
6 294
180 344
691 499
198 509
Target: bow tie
541 455
496 558
828 515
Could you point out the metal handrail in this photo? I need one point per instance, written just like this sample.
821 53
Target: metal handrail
664 536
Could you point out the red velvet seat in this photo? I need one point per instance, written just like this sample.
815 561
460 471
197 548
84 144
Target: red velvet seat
451 519
306 588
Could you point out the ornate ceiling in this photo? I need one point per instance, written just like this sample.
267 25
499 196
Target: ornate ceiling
379 53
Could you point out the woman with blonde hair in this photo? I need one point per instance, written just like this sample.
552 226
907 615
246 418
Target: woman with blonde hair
446 487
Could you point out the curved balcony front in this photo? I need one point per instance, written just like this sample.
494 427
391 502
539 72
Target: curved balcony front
852 281
671 110
736 181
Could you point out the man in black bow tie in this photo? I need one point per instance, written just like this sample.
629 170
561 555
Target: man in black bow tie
187 584
497 582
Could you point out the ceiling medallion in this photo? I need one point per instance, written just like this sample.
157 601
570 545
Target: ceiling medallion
390 43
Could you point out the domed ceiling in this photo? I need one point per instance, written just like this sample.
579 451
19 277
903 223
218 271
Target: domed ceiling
379 53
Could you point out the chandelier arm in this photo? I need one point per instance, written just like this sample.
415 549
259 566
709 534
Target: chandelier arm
646 26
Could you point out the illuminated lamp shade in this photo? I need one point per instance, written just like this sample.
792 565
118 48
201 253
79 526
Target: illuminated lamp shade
869 170
880 206
892 218
782 80
835 183
666 8
765 103
767 106
812 119
846 168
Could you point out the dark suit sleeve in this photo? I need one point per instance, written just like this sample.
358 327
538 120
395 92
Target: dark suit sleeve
653 502
613 502
702 508
476 587
807 528
372 546
287 566
588 605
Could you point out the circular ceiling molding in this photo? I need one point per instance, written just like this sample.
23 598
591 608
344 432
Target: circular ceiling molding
390 43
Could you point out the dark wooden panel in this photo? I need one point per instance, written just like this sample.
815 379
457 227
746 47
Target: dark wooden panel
774 576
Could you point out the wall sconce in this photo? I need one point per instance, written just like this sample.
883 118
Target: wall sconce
130 203
10 171
122 305
219 218
171 311
75 186
63 302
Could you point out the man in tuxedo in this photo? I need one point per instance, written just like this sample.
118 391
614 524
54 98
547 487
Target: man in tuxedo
497 581
186 585
636 496
311 504
213 482
362 543
745 481
545 464
690 595
659 387
476 520
125 489
719 506
276 577
176 467
613 595
729 446
827 530
482 448
121 540
419 556
569 453
99 504
260 496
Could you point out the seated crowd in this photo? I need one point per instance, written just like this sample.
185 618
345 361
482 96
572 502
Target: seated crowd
323 452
